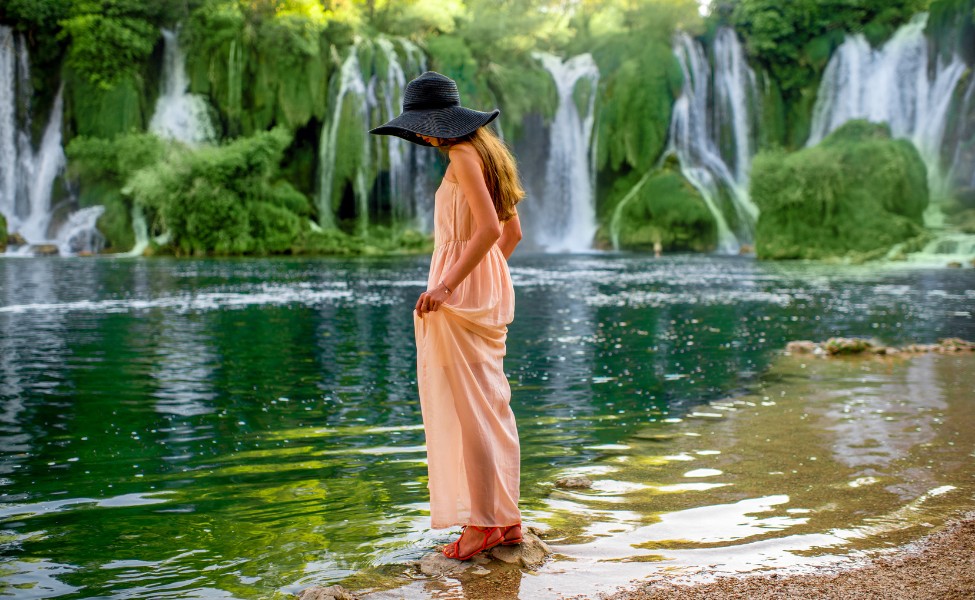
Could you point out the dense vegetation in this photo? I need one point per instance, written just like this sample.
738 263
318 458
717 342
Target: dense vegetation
272 72
857 193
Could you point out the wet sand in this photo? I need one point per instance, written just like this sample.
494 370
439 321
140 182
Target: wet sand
940 566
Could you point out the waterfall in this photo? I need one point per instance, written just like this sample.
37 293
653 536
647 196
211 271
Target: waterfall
79 234
49 162
899 84
714 140
350 83
962 171
563 218
8 122
16 152
27 178
180 115
361 102
390 90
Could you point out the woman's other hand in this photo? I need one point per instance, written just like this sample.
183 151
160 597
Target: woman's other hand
430 300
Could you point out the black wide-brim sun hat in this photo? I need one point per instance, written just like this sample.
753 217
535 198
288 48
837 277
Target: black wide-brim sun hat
431 107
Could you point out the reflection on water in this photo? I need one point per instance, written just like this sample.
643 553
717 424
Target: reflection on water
247 428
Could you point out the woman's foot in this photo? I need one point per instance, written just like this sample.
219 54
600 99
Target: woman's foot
473 541
512 534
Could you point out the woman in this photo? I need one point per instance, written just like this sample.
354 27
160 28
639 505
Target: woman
461 320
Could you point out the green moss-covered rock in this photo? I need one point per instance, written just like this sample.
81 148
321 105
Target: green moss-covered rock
660 208
3 233
859 191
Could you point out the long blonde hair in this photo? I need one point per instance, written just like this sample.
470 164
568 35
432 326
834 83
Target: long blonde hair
500 170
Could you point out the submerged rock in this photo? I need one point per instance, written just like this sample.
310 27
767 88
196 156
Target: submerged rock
332 592
573 483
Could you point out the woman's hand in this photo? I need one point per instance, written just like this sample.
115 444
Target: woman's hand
431 300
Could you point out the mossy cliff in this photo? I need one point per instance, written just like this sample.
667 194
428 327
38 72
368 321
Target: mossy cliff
857 193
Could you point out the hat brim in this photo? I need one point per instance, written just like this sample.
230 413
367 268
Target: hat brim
450 122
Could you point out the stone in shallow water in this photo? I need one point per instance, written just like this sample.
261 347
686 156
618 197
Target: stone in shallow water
847 345
332 592
436 564
801 347
573 483
529 554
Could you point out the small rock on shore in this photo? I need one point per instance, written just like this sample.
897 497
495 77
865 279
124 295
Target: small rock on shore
573 483
332 592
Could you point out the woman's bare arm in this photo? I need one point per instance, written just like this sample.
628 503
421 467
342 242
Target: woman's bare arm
510 236
467 169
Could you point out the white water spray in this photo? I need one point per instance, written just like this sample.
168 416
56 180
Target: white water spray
180 115
697 126
564 217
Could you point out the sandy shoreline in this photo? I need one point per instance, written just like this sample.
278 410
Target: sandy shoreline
939 566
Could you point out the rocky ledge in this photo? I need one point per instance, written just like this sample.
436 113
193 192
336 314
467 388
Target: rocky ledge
860 346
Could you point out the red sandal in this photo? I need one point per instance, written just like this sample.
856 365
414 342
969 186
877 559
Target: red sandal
507 542
484 544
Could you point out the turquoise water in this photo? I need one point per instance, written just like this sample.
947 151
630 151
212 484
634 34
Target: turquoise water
246 428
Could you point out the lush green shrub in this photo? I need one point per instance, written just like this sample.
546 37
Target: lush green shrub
859 191
224 200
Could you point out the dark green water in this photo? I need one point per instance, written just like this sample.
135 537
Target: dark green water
246 428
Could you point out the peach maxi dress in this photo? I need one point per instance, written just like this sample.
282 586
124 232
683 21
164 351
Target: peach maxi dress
473 455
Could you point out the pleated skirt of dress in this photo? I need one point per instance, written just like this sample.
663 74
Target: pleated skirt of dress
473 452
